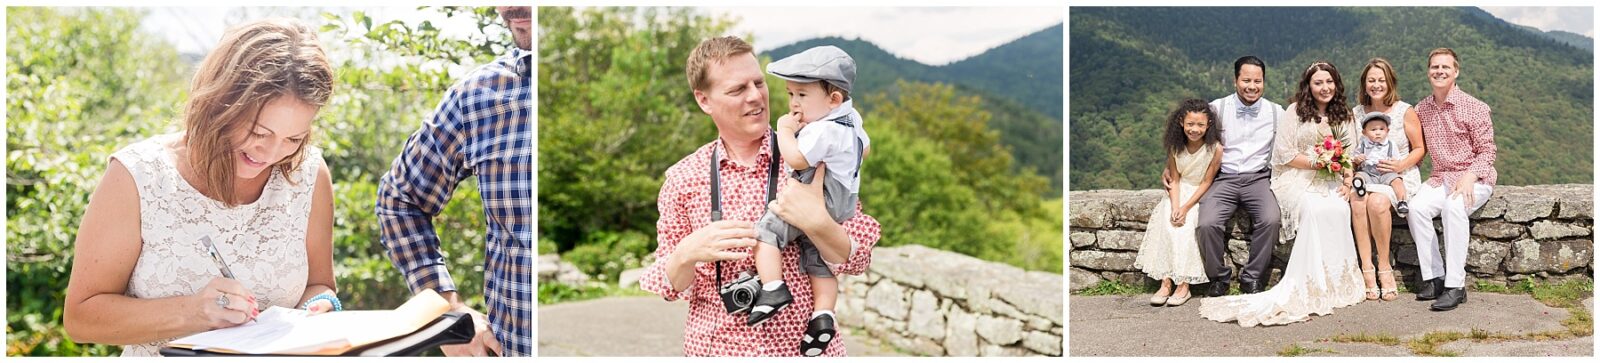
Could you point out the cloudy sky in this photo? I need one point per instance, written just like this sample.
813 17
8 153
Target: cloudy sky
1572 19
931 35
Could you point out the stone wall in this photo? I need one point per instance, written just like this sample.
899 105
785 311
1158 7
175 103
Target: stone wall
553 269
1541 232
928 302
939 303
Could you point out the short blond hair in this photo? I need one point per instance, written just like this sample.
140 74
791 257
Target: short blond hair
713 50
1455 61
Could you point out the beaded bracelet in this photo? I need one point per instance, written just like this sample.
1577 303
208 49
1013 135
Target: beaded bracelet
334 300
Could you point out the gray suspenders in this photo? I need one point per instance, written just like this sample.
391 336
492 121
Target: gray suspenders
847 122
772 177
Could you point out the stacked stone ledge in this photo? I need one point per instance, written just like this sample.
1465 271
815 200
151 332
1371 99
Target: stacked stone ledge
1543 233
937 303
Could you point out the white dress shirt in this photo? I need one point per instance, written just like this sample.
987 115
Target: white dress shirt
1246 139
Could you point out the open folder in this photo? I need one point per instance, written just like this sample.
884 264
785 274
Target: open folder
289 331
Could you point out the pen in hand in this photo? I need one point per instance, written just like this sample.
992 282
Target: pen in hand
216 256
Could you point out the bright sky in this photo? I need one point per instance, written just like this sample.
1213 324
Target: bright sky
1572 19
195 30
931 35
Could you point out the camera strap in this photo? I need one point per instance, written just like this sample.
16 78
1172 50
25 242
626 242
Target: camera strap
716 185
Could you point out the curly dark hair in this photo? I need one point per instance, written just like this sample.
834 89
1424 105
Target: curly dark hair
1306 104
1175 138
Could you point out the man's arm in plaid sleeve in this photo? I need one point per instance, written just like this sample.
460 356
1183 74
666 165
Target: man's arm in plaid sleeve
416 188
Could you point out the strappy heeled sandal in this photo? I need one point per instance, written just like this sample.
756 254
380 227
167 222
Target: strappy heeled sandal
1372 284
1391 293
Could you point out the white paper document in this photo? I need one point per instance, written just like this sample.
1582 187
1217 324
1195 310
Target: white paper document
282 330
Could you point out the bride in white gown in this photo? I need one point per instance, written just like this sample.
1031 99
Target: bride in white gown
1322 272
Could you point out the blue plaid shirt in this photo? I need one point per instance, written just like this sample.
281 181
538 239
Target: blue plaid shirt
483 127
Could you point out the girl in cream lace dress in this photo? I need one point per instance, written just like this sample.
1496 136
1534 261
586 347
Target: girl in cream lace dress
241 174
1170 252
1322 271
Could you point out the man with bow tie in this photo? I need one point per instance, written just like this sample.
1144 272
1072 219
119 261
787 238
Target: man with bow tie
1248 126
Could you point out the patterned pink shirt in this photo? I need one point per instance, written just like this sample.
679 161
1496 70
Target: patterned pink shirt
685 206
1460 138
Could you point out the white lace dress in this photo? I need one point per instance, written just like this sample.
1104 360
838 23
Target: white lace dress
262 242
1172 252
1322 272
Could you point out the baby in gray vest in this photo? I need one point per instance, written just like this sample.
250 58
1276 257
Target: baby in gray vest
1375 146
822 127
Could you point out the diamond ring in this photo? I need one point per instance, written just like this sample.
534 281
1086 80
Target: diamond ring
222 300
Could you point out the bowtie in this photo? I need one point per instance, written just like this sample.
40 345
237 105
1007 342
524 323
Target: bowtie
1250 111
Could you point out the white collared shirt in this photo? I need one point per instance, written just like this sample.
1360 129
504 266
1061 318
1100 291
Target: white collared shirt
1246 142
826 141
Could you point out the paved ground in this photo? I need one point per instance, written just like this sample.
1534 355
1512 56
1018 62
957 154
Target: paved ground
1129 326
636 326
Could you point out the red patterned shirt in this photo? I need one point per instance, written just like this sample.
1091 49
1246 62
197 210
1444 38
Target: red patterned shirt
685 206
1460 138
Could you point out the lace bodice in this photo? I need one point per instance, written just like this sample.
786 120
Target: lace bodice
1192 166
262 242
1295 138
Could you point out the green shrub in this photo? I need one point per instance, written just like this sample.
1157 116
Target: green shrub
556 293
606 254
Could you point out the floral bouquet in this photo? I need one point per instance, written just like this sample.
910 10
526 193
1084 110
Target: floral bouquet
1329 158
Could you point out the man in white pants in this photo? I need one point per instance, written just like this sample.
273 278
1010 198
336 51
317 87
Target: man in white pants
1460 140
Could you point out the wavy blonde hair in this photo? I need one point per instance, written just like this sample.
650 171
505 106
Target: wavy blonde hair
254 63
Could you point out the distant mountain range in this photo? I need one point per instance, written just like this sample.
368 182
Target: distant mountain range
1564 37
1130 66
1020 81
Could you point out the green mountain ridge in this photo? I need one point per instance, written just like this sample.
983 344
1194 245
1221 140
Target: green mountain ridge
1569 38
1027 69
1130 66
1019 82
1573 39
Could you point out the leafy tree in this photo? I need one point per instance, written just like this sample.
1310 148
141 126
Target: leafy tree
80 84
615 110
960 126
937 176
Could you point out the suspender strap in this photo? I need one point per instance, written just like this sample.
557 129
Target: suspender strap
860 153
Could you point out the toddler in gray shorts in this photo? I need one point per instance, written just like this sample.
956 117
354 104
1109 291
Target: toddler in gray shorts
1375 146
822 127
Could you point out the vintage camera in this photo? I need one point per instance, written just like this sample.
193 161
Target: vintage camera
739 294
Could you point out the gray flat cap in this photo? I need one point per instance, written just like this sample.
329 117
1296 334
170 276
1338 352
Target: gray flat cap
1370 116
824 63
